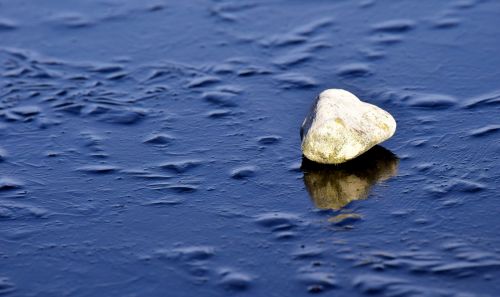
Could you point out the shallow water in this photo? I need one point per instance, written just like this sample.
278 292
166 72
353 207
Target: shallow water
152 148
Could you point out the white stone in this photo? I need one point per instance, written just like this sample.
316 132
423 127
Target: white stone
341 127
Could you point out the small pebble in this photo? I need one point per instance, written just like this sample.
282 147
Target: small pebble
341 127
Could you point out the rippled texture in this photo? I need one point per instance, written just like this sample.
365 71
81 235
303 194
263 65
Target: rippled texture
152 147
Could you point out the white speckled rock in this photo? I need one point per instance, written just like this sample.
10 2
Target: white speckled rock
341 127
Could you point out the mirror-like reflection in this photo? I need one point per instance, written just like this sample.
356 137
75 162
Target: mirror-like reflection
334 186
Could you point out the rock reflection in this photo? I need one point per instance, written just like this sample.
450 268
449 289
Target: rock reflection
335 186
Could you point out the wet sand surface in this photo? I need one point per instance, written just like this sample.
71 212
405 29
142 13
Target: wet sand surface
152 148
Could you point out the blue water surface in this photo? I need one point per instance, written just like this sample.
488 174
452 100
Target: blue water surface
152 148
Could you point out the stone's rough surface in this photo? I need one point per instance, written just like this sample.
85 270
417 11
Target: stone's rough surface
341 127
